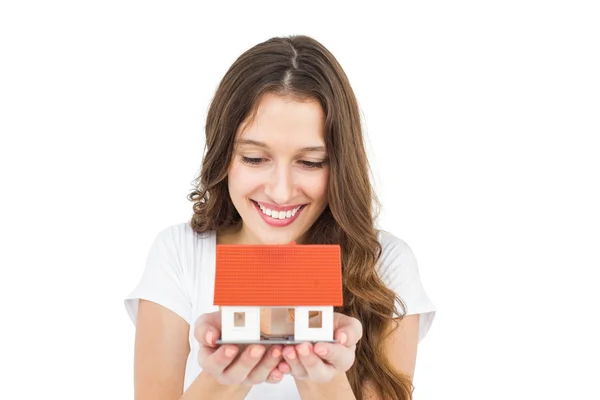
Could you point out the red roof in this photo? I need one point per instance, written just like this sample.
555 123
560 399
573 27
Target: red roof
278 275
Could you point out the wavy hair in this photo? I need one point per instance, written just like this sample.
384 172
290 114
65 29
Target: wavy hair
302 68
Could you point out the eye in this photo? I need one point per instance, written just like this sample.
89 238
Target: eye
312 165
252 161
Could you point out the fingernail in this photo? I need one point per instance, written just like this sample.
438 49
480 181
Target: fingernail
343 338
303 350
256 352
276 376
321 351
276 353
229 352
291 355
209 338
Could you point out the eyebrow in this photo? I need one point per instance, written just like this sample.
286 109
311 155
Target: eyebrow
264 145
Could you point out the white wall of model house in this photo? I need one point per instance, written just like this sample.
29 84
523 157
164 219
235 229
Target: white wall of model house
243 323
248 329
302 329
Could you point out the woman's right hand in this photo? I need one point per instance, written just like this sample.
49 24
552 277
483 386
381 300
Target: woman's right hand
255 363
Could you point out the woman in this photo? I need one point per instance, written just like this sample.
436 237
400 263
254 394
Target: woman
284 162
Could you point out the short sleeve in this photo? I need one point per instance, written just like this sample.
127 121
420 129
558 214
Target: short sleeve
399 271
163 279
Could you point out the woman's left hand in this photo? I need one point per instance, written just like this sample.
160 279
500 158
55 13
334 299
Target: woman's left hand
322 361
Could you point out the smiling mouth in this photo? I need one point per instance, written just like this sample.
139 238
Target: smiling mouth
279 215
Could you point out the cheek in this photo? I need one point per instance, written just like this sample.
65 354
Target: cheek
233 180
241 180
317 189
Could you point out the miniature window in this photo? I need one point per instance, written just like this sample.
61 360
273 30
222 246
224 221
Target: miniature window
239 319
315 319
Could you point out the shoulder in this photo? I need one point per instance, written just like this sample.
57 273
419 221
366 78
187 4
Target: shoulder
396 255
390 242
169 277
179 248
397 266
180 236
181 230
399 270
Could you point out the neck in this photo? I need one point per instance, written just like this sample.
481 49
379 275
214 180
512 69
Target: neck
237 234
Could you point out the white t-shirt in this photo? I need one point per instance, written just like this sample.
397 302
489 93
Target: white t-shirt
180 275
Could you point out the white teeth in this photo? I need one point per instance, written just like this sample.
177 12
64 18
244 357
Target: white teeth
279 214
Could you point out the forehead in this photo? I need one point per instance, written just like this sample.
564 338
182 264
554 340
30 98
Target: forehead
284 119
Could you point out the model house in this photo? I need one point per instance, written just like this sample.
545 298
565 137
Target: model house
277 293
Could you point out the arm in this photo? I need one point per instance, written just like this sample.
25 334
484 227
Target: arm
401 349
161 351
336 389
401 345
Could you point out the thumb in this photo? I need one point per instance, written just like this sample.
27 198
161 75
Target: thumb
208 328
348 330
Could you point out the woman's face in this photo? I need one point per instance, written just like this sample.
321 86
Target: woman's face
279 171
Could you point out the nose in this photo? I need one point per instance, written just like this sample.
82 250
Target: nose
280 187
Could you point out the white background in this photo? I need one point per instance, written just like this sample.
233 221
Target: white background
482 121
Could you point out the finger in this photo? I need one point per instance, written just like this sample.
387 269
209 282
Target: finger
316 369
214 362
208 328
347 330
266 367
284 367
238 371
291 358
337 355
275 376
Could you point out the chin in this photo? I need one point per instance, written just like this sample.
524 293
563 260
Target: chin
276 237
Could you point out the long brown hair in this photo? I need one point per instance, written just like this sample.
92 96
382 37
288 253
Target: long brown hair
301 67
